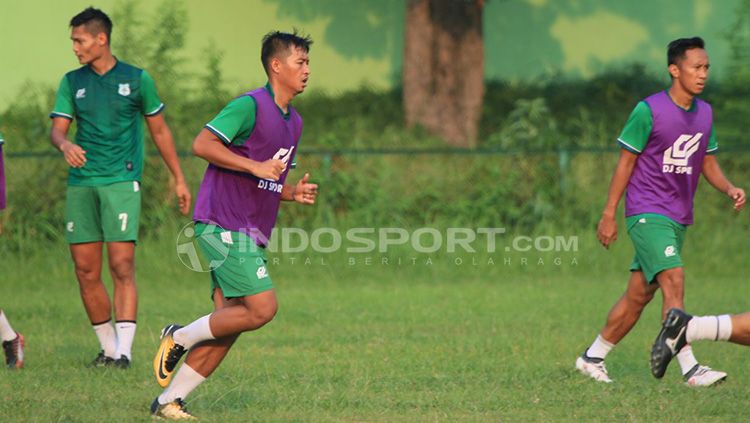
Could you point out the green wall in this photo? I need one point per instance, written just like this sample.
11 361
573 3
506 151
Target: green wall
360 41
581 37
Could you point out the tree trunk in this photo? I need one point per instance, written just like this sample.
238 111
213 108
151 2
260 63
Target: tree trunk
443 74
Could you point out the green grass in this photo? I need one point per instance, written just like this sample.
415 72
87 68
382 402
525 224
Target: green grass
380 343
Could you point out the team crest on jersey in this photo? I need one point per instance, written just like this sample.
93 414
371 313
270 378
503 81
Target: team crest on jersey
677 156
124 89
81 93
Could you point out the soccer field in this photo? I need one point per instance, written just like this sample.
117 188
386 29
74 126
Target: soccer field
378 343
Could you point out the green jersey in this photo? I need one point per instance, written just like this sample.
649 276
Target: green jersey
235 122
107 109
638 128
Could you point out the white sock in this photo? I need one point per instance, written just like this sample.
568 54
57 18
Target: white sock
725 328
709 328
6 331
107 338
600 348
125 334
196 332
686 359
184 382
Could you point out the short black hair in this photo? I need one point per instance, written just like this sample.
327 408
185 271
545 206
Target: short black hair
276 42
677 48
95 20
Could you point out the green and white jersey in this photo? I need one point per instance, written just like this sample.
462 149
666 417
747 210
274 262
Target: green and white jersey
2 140
107 109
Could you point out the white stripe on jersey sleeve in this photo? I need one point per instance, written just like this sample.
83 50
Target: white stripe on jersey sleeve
628 145
61 114
157 110
221 134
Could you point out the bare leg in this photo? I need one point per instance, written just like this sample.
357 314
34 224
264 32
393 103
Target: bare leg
627 310
87 258
672 283
122 268
740 329
253 311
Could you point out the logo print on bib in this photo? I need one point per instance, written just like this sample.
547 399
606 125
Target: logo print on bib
284 154
261 273
124 90
677 156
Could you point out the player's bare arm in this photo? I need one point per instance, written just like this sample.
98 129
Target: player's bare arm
713 174
303 192
210 148
73 153
607 229
164 142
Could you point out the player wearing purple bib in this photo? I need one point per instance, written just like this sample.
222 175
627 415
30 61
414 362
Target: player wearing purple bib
13 342
667 143
250 147
274 136
2 175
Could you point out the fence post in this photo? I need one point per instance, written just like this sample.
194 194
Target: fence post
564 163
326 165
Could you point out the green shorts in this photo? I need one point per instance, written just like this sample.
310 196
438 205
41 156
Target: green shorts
243 270
658 243
108 213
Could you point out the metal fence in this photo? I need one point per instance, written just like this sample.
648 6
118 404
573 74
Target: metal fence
404 187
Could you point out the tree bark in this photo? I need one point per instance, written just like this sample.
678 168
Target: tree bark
443 74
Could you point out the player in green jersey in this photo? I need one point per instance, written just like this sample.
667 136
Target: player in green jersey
107 98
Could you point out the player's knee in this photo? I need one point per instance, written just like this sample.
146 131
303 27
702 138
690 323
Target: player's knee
641 299
87 275
672 281
122 270
267 313
262 314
